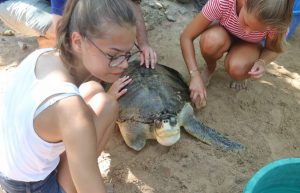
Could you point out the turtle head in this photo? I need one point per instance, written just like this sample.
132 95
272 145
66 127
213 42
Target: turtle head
167 132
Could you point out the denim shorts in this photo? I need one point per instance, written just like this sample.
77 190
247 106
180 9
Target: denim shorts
28 17
48 185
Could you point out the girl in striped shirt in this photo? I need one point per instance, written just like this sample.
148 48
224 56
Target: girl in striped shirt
240 27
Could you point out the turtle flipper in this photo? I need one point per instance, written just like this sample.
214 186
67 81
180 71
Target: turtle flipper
133 134
204 133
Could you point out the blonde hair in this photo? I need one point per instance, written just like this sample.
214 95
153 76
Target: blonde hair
273 13
89 18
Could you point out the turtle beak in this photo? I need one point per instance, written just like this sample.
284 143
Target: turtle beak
168 134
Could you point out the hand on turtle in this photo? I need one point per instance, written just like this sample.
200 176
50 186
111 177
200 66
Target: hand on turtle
197 91
148 56
117 88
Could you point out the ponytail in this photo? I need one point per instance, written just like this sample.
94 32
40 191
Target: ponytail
63 33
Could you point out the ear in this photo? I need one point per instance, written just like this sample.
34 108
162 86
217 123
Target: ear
76 40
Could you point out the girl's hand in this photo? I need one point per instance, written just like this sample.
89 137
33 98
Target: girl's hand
117 88
148 56
197 91
258 69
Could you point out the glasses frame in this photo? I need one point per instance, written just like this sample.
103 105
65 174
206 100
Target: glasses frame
112 58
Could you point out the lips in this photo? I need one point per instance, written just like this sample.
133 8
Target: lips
117 73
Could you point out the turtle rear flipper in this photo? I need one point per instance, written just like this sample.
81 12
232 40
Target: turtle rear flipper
204 133
134 134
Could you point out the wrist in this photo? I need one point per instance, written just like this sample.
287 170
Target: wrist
194 72
261 61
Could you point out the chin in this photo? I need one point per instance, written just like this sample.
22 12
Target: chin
110 78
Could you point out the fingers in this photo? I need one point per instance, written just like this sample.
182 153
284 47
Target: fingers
199 104
120 93
198 98
153 59
148 57
117 89
123 82
257 71
256 74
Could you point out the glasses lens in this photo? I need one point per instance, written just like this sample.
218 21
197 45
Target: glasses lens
129 57
117 61
134 56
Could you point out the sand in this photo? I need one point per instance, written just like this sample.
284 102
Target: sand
265 118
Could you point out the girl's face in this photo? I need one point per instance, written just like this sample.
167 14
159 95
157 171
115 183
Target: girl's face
250 23
97 53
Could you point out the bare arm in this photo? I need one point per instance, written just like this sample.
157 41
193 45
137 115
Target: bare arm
79 135
141 35
73 122
267 55
148 57
190 33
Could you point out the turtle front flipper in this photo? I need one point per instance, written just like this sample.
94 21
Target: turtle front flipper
134 134
204 133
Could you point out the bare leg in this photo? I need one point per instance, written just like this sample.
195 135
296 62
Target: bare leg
106 112
214 42
239 61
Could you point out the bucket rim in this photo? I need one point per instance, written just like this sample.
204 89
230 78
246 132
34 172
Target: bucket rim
265 169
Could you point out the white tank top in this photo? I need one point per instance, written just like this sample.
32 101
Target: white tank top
24 155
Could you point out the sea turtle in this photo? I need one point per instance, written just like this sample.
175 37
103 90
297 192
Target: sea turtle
156 105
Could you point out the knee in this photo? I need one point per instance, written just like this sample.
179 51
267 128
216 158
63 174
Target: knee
212 43
108 104
89 89
104 105
111 105
237 69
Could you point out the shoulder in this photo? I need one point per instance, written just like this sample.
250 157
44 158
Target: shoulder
66 115
74 118
215 9
49 66
220 4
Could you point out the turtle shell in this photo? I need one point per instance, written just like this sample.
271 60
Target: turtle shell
154 94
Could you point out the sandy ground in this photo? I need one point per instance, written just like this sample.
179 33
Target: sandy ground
265 118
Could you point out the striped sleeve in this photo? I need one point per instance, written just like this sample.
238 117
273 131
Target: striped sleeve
212 10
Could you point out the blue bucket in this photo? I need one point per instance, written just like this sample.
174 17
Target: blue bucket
295 20
281 176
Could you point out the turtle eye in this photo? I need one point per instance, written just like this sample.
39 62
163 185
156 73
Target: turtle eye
157 123
173 121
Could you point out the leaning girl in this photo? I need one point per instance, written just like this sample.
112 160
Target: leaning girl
51 131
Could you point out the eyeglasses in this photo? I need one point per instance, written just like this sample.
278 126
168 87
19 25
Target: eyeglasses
116 61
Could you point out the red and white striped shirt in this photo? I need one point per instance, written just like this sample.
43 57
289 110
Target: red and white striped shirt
225 12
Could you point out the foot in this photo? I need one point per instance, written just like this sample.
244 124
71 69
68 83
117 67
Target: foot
206 76
238 84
